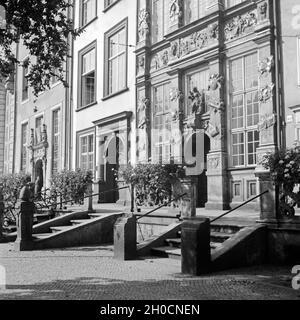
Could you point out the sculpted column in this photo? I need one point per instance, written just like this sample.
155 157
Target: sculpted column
143 86
267 111
217 180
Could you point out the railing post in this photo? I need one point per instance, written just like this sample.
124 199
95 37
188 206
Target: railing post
25 219
268 203
195 246
90 199
132 198
2 207
188 201
125 238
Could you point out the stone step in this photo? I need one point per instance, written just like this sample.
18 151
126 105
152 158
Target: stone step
41 236
167 252
78 222
225 228
176 242
60 229
215 245
219 236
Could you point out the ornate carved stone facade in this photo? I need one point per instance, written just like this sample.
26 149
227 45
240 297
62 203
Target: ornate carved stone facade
200 103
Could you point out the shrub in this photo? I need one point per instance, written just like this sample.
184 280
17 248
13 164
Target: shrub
11 186
152 182
284 166
71 185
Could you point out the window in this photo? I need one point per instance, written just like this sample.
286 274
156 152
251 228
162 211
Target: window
237 189
161 124
38 129
88 11
25 91
252 189
244 110
86 157
54 77
87 76
199 80
55 140
24 137
116 59
108 3
194 10
231 3
159 19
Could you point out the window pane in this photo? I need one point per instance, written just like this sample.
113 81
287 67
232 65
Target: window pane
88 11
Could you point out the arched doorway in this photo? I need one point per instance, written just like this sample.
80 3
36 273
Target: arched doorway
113 160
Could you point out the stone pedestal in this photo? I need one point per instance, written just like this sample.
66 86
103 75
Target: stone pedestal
195 246
24 227
267 202
188 202
125 239
90 199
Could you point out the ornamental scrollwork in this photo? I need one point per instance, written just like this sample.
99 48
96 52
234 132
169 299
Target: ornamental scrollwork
215 81
265 66
266 93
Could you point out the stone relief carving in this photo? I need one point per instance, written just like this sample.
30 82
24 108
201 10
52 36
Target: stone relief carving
266 93
211 130
266 122
215 82
143 105
198 101
143 24
263 10
160 60
140 64
240 25
175 94
175 11
266 65
197 41
213 163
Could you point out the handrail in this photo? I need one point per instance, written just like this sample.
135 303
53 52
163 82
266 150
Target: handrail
164 205
92 195
234 209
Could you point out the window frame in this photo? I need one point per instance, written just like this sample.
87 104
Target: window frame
106 76
161 158
24 145
81 54
81 13
54 135
80 136
245 129
25 80
110 5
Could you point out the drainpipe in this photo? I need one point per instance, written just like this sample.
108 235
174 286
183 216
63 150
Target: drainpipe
15 109
279 103
69 98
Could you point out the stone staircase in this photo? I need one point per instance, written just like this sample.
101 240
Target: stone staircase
79 228
220 232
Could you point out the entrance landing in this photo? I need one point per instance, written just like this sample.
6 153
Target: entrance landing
238 215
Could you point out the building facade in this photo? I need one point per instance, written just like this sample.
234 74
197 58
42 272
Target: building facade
104 91
36 128
289 42
208 66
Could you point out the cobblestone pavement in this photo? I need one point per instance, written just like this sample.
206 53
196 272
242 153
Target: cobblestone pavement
92 273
